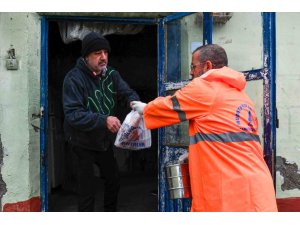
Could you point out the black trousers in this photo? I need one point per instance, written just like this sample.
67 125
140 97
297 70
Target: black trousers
86 180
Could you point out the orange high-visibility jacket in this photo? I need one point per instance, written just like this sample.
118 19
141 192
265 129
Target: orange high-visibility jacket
227 169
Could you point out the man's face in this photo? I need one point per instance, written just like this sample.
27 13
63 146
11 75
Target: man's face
196 69
97 61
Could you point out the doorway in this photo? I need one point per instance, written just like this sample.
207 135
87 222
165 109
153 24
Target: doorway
135 57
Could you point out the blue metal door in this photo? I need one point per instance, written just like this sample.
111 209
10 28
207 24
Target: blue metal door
173 74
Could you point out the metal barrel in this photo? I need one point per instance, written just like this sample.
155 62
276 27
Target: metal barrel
178 180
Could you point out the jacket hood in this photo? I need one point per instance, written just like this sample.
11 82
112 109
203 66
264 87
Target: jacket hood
226 75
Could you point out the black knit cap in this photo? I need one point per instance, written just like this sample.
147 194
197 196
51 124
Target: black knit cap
94 42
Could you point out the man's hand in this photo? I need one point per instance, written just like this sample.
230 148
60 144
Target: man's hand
184 157
113 124
138 106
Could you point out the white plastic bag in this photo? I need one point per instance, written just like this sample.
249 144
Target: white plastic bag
133 133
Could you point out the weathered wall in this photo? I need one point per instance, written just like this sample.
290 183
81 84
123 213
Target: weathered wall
19 99
2 183
288 104
242 38
191 38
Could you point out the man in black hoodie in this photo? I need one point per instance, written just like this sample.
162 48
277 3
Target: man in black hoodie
90 94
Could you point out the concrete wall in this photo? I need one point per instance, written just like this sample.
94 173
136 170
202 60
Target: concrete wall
19 99
242 38
288 104
191 38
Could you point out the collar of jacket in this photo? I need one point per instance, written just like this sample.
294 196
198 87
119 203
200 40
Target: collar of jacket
226 75
81 64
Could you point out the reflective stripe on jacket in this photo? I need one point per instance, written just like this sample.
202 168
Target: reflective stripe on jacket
227 169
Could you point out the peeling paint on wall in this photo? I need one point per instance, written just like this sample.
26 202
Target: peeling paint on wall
30 205
175 86
290 176
2 184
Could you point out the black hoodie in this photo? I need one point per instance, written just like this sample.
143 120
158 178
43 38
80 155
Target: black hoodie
88 100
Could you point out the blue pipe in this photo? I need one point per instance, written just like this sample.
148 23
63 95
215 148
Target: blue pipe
273 88
207 28
44 119
269 43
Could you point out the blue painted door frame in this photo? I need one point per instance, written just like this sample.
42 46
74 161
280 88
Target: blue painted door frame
44 119
165 204
267 73
44 88
269 78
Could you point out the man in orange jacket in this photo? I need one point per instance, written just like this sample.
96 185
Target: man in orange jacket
227 169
